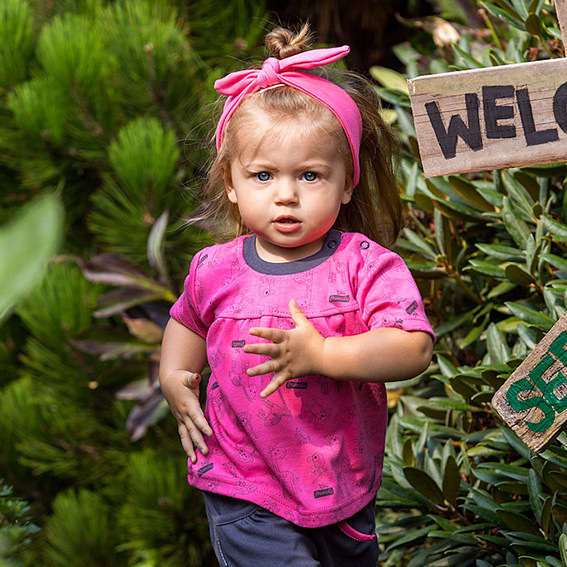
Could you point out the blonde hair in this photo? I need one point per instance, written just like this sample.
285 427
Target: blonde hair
375 207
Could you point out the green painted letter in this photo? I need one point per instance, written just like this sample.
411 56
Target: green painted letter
532 402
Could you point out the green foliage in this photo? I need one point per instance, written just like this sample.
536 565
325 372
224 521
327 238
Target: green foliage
102 101
16 528
459 487
82 530
16 42
26 245
155 514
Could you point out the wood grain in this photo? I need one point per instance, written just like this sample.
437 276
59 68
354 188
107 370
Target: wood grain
521 114
533 401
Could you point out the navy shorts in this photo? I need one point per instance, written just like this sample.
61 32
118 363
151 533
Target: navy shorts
247 535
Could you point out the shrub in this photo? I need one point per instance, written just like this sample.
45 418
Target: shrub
459 487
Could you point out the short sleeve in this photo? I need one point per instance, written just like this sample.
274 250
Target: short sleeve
388 294
186 309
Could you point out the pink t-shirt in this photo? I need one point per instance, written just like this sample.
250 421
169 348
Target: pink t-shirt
311 452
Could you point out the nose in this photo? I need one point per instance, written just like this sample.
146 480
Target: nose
286 192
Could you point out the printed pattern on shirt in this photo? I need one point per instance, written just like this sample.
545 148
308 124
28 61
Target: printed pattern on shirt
311 452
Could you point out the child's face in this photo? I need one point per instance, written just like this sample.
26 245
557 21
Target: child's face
289 182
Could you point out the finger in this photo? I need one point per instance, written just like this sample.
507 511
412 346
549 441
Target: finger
274 335
268 349
265 368
203 425
197 437
187 444
195 418
296 314
272 387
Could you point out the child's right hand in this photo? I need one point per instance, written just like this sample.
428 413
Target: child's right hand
181 390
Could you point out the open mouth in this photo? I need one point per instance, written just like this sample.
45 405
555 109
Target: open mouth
287 224
286 220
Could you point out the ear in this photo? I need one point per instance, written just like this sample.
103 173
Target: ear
347 195
228 185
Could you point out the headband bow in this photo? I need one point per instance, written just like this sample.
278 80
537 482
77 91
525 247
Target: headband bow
290 71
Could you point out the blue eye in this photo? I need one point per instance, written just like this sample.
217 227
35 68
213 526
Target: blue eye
263 176
310 176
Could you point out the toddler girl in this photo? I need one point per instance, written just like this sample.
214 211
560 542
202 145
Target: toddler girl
302 318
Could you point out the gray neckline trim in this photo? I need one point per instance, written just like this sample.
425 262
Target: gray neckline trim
330 245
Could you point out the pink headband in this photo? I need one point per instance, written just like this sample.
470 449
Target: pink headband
289 72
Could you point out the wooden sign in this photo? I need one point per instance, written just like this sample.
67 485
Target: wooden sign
533 401
491 118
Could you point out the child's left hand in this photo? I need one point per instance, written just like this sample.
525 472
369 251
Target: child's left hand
294 353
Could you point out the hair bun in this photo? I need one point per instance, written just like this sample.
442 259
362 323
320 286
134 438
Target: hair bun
282 43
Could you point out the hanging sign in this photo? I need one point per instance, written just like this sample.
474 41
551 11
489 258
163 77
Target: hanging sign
533 401
492 118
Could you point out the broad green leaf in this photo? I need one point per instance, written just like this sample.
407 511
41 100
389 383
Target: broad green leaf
518 275
393 96
454 323
533 24
451 480
520 8
535 491
408 454
559 512
26 244
156 246
457 211
515 442
496 345
518 522
488 269
405 122
531 316
468 58
502 252
500 289
448 526
424 484
420 245
527 335
517 228
563 548
493 197
504 15
447 368
389 78
547 170
448 404
461 386
530 183
555 261
546 514
467 191
518 192
411 537
557 229
474 334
